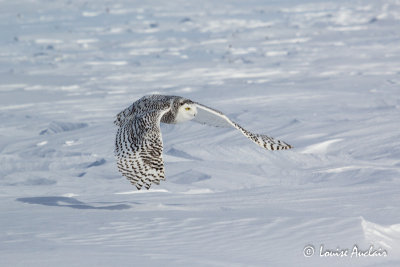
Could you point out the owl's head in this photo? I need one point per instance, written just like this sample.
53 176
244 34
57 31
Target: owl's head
186 111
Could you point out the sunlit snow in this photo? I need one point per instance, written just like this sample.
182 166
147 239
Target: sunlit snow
323 76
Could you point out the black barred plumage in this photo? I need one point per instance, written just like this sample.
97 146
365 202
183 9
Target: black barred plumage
138 143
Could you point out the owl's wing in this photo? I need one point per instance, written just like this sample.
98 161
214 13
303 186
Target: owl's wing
209 116
138 148
124 115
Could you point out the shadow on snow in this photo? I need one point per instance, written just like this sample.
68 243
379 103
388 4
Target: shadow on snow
68 202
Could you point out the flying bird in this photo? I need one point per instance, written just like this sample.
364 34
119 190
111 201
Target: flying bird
138 143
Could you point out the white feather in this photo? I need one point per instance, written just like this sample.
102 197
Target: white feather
139 143
212 117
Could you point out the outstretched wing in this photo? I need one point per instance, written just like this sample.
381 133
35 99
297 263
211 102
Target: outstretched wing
209 116
138 148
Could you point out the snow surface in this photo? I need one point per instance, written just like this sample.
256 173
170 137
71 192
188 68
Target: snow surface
323 76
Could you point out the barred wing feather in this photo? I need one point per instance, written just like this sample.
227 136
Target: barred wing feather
209 116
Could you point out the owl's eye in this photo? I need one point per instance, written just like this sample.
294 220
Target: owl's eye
187 108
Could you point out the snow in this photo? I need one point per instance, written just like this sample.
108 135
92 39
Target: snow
323 76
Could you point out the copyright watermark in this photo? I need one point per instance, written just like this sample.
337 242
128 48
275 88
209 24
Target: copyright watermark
354 252
309 251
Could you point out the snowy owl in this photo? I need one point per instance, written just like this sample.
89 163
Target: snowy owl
138 144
